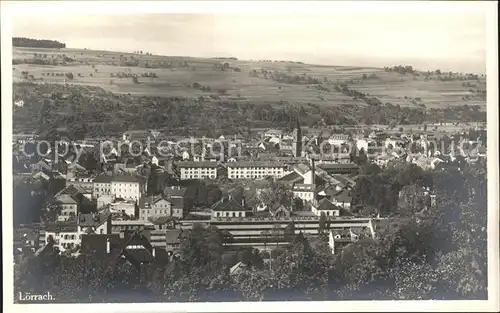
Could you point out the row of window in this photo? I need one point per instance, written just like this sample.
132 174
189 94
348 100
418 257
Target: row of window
108 190
258 170
303 194
117 228
68 237
230 214
68 245
251 175
198 176
331 213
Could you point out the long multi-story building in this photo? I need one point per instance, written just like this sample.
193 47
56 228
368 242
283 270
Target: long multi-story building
125 187
261 233
268 233
255 170
197 170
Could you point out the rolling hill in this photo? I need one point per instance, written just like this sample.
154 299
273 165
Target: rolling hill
242 92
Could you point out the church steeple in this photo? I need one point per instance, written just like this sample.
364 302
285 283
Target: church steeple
297 141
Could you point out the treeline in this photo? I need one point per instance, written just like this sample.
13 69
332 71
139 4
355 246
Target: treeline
436 74
131 75
285 78
228 58
438 253
36 43
401 69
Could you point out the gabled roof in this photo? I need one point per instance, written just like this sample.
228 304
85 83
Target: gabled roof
342 196
227 205
96 243
71 190
138 256
159 199
327 190
67 199
325 204
45 249
291 178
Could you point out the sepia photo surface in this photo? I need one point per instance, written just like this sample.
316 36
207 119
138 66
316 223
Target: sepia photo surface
208 153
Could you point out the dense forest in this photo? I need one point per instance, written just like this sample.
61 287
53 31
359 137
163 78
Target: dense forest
36 43
438 253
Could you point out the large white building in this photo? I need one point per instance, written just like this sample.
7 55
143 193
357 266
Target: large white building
338 139
197 170
305 192
255 170
125 187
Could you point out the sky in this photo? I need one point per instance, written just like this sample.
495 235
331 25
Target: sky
454 40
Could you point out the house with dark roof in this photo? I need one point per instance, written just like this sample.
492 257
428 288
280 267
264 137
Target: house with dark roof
291 179
279 210
228 207
70 200
177 196
132 247
342 199
327 207
97 244
95 223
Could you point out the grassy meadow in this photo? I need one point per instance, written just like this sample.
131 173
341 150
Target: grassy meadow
96 68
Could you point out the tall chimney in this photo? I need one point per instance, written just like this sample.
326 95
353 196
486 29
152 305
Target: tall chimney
313 170
108 246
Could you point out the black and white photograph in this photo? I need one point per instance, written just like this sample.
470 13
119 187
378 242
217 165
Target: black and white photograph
205 153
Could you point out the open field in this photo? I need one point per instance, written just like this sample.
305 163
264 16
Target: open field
176 80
